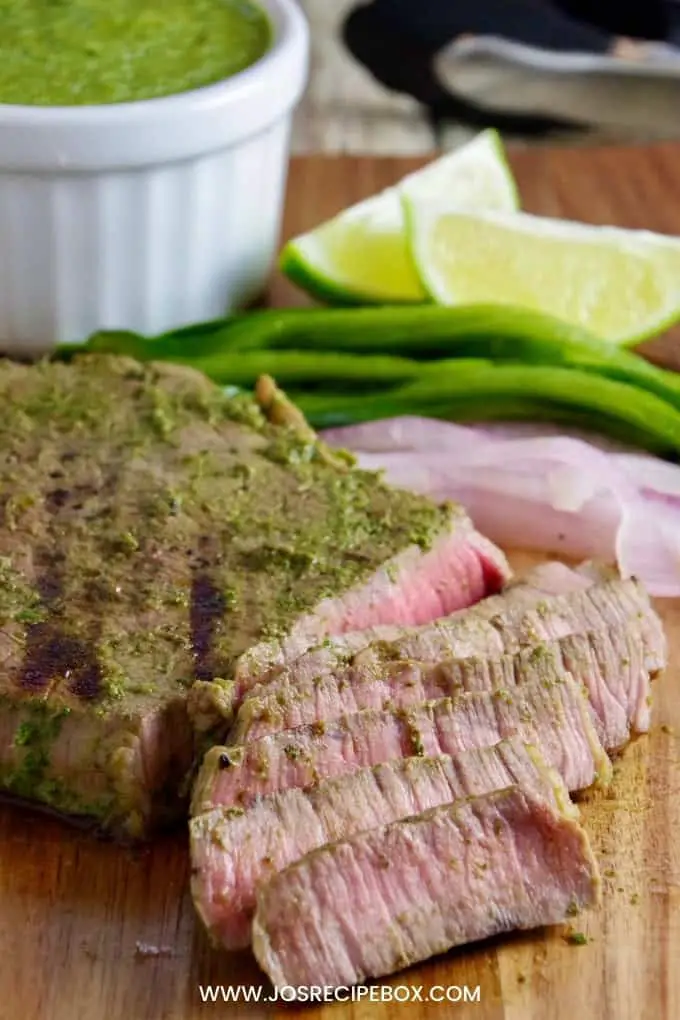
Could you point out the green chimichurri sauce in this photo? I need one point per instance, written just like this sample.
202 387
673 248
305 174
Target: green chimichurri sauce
77 52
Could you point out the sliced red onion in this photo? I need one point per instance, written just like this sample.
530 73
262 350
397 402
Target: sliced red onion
648 545
403 433
656 479
538 490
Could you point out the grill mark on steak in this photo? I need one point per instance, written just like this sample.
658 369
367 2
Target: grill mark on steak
206 610
51 651
57 499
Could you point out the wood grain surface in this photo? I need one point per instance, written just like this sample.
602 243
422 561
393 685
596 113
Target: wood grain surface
91 931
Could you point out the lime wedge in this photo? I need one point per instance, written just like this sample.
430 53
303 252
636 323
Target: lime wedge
361 256
622 285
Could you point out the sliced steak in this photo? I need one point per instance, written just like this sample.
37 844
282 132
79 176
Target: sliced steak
233 851
470 635
551 603
555 717
152 530
610 666
461 568
387 898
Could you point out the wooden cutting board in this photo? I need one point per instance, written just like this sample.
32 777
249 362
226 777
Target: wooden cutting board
89 930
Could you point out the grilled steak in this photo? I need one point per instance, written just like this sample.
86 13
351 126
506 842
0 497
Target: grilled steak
234 851
550 603
610 666
151 531
384 899
555 717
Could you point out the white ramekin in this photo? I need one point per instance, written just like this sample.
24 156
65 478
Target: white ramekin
146 215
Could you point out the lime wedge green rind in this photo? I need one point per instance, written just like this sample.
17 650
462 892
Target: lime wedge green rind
620 285
514 199
361 255
299 267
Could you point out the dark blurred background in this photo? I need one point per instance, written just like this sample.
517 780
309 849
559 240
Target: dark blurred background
373 87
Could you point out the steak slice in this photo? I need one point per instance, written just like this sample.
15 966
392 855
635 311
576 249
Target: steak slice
610 666
385 899
234 851
550 603
460 568
151 531
555 718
